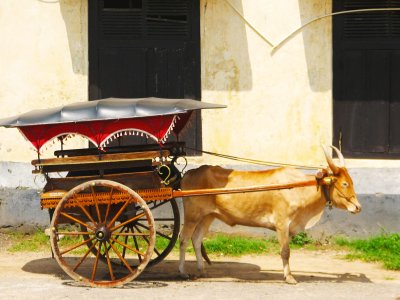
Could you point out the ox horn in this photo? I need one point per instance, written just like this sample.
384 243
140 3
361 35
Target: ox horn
339 155
329 159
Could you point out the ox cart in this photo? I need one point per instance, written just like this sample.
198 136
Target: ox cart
112 206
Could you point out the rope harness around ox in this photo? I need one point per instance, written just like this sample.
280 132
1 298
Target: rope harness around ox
327 189
328 185
324 177
254 161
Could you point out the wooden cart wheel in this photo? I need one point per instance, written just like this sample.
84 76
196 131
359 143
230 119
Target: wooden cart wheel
102 208
167 220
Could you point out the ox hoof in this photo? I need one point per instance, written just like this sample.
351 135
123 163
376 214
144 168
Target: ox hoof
184 276
290 280
202 275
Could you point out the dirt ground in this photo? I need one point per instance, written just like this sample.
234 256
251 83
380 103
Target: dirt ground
321 274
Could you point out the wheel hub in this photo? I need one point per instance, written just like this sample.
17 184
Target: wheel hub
102 233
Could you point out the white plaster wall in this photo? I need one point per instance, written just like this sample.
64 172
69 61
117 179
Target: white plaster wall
43 62
279 102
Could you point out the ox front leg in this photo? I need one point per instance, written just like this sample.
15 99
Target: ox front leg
284 239
185 236
197 239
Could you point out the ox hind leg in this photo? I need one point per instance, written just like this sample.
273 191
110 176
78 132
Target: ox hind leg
284 239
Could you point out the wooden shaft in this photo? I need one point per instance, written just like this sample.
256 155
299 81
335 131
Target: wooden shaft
260 188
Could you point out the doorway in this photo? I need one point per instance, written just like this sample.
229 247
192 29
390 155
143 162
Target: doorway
146 48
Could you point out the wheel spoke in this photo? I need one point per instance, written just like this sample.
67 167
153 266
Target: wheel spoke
108 205
77 221
124 250
163 235
117 235
75 233
121 233
148 242
157 232
137 247
96 204
127 222
131 234
96 262
84 257
122 259
77 245
119 213
109 263
127 246
155 205
170 238
87 213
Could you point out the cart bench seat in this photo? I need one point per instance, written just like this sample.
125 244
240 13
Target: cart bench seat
98 162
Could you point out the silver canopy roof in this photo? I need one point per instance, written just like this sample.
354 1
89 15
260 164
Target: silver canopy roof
106 109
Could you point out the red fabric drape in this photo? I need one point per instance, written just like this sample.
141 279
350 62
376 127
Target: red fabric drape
157 127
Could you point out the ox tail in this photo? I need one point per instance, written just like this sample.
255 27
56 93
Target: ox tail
204 254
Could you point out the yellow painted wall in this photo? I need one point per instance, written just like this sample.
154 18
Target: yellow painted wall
279 99
43 62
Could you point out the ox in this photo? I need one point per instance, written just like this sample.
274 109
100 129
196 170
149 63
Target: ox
287 211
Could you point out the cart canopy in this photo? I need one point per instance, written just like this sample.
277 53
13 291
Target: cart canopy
102 120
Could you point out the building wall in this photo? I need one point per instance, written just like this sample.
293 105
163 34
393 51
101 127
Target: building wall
43 59
279 98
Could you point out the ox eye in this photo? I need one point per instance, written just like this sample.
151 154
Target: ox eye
345 184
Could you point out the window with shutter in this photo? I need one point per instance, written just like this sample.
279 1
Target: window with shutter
141 19
366 72
377 25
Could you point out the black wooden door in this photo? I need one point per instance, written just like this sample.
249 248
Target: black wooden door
145 48
366 74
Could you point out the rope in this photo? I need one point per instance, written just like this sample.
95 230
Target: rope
255 161
354 11
262 36
284 40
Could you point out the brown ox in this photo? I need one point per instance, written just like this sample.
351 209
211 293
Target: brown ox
287 211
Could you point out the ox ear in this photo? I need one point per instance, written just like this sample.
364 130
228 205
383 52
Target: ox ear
329 159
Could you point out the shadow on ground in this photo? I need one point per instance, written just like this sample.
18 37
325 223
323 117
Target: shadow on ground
217 272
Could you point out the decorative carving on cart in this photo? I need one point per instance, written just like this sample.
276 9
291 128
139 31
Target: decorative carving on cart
52 198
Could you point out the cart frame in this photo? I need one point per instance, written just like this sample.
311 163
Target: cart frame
105 218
